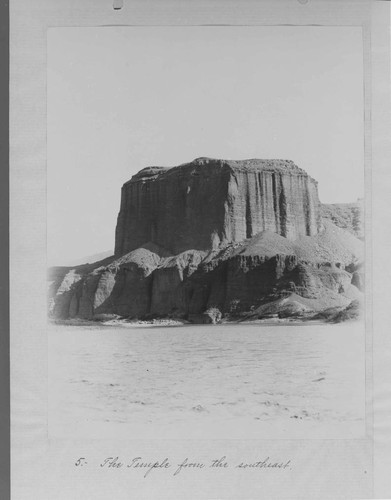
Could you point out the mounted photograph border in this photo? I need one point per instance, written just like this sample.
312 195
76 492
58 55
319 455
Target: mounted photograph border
355 463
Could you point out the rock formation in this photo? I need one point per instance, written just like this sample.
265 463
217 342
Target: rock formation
207 203
348 216
215 238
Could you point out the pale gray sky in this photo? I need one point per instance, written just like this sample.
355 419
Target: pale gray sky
123 98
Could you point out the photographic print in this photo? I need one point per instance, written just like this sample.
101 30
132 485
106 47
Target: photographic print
205 194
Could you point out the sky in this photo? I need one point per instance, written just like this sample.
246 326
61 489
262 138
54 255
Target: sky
123 98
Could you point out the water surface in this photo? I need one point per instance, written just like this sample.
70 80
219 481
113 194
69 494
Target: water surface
225 381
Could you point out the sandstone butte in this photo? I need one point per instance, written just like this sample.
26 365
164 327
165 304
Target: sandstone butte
215 239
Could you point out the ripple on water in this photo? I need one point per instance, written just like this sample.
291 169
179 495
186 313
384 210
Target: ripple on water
141 376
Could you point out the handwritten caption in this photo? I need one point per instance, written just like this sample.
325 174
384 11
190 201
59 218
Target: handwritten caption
175 468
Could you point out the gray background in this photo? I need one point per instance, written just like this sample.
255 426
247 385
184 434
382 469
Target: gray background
4 270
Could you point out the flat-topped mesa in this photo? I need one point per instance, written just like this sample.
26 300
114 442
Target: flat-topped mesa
208 202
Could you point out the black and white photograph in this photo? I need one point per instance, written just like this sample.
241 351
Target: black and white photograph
199 247
206 232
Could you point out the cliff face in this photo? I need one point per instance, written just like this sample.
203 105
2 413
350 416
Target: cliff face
234 238
348 216
209 203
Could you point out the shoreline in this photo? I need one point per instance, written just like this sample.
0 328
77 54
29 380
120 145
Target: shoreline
170 323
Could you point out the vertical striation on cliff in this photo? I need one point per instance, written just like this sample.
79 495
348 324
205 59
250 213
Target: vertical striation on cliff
207 203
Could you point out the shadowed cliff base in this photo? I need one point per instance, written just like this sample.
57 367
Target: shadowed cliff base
217 240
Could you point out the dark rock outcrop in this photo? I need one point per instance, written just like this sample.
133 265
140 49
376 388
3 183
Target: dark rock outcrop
216 238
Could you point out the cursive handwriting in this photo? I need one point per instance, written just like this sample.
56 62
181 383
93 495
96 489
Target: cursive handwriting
186 464
264 464
138 463
177 467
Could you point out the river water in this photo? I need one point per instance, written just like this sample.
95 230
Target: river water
231 381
